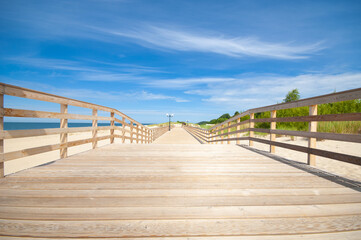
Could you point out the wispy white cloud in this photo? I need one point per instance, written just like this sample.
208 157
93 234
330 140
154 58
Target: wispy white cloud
185 83
262 90
88 69
92 95
180 40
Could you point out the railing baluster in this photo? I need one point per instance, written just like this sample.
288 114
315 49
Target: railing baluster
95 131
251 125
273 127
238 128
312 127
137 133
112 129
123 134
2 170
228 130
63 136
131 132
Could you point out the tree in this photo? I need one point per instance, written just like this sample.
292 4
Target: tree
226 115
236 113
293 95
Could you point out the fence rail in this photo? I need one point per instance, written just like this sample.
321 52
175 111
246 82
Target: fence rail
130 129
231 129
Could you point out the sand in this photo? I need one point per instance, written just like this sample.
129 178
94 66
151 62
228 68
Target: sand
350 171
43 158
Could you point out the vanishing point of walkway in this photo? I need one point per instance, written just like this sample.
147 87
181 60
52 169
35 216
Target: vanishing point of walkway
176 136
177 191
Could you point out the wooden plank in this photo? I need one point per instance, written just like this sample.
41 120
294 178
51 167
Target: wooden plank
231 139
238 129
323 153
42 96
2 170
235 125
159 185
312 127
175 228
234 132
316 118
328 98
16 91
9 112
19 193
321 135
157 213
49 131
37 150
112 128
273 127
63 136
90 202
228 130
349 235
251 125
123 126
94 132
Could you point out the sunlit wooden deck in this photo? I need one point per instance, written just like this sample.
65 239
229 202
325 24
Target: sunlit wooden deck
188 191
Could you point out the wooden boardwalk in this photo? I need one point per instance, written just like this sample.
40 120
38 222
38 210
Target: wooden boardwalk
176 191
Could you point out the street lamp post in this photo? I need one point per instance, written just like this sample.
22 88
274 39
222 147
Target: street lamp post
169 116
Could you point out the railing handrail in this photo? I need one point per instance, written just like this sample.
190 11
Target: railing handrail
327 98
12 90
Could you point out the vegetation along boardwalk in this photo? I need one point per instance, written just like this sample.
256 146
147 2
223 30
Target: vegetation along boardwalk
139 187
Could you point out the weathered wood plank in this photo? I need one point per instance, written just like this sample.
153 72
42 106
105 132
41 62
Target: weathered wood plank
10 112
49 131
316 118
156 213
323 153
173 228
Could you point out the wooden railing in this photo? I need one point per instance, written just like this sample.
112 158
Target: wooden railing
232 129
159 132
130 130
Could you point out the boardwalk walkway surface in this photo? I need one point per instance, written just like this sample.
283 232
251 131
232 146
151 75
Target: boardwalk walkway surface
176 136
177 191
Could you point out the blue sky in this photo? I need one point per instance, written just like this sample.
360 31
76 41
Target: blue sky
196 59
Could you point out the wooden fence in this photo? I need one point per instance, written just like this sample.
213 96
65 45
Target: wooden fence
131 130
223 132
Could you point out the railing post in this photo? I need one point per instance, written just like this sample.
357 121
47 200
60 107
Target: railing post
131 132
217 138
112 128
95 131
312 127
2 170
63 136
208 133
251 125
272 135
228 130
222 137
140 134
238 128
123 126
137 134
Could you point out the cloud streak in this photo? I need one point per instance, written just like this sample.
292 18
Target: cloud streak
179 40
248 92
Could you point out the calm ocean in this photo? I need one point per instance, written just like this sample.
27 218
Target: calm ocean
41 125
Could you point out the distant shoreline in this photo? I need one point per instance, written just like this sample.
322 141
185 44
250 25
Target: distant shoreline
42 125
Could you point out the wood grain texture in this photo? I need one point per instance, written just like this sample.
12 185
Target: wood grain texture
174 191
